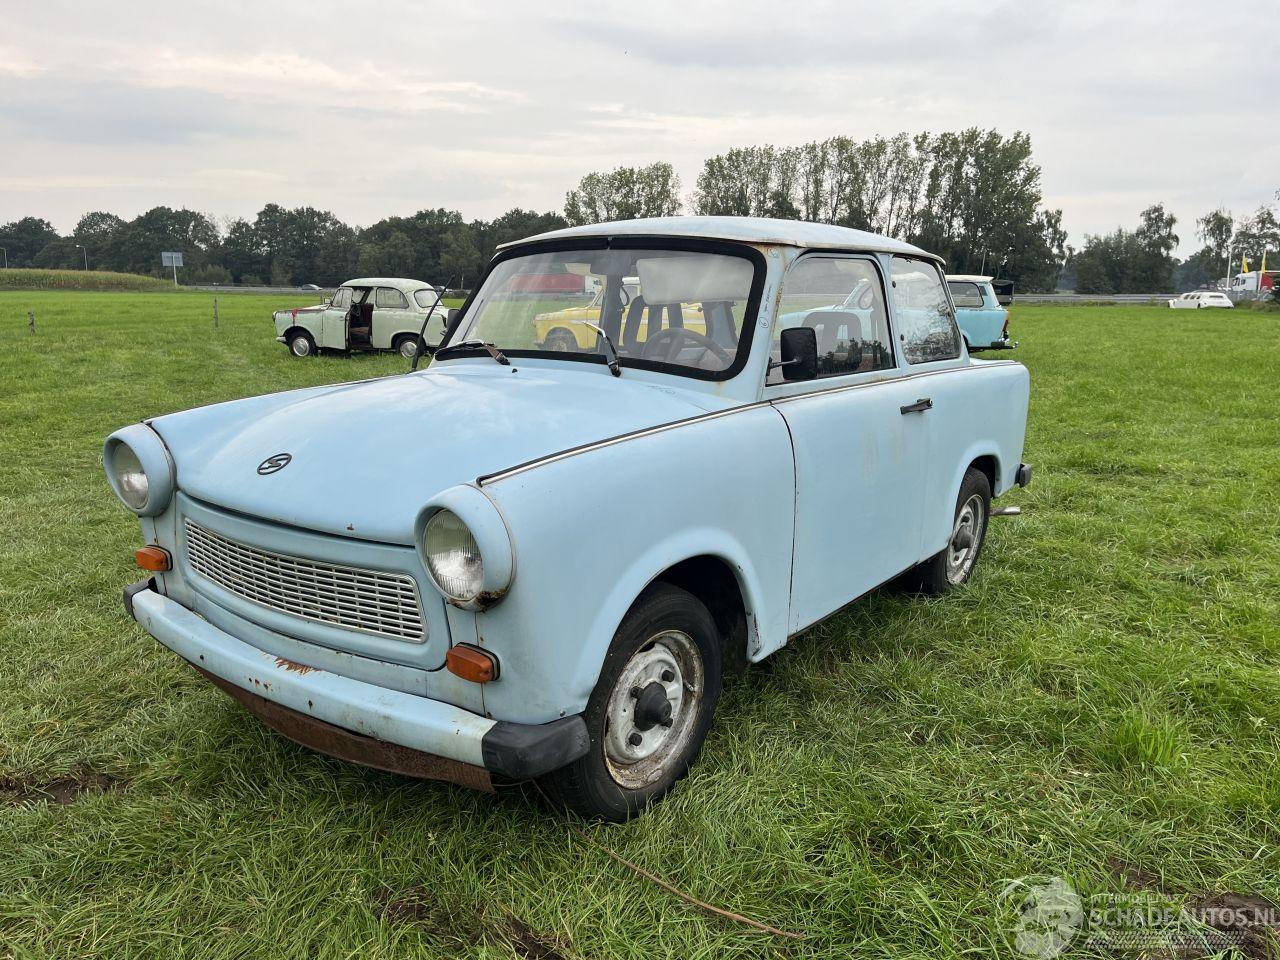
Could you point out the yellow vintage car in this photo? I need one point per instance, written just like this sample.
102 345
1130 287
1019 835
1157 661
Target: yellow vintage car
568 330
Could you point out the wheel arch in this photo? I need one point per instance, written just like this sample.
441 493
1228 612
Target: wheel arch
715 582
295 329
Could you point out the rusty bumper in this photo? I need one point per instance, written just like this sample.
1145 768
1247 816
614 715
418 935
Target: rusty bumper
357 721
346 745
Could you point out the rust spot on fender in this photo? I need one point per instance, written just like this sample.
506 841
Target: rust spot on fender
299 668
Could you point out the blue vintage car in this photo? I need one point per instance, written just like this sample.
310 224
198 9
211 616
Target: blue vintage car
982 310
532 563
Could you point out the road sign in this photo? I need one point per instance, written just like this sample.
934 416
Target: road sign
171 259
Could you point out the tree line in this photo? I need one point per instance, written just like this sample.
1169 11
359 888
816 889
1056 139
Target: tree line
279 246
971 196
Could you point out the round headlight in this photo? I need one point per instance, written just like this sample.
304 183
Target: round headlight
131 478
453 556
139 469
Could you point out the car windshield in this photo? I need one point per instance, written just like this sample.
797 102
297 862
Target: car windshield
682 311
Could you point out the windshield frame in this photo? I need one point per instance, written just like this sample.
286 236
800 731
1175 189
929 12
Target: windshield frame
659 242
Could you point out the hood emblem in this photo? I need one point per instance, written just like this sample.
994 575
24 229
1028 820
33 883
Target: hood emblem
274 464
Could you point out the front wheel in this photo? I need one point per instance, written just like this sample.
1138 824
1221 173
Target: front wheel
408 346
301 344
953 564
650 710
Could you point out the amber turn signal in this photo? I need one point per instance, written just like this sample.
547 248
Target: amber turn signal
153 558
471 663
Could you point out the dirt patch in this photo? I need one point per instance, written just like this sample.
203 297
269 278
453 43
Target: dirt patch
449 920
1133 876
21 791
1251 919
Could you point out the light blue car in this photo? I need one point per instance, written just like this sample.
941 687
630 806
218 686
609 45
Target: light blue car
982 310
525 563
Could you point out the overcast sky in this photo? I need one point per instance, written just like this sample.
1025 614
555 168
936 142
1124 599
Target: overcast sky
372 109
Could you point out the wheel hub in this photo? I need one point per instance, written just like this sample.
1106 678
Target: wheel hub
652 709
652 706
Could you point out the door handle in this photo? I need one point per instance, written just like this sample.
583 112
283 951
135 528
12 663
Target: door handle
921 405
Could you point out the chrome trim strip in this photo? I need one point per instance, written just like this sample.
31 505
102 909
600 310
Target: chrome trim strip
611 441
900 379
490 478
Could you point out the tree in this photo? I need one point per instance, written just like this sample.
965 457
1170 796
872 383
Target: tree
1256 234
626 193
1125 261
24 239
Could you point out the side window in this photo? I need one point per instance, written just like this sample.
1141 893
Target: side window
390 299
964 294
342 299
842 299
926 328
425 297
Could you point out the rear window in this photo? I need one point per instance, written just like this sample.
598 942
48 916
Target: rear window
965 294
425 298
926 326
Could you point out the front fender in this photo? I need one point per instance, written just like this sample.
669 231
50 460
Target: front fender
591 531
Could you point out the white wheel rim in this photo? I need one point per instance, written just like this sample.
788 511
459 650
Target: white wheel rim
407 349
966 538
638 757
301 347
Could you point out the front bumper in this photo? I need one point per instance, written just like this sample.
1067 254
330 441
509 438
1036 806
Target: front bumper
354 720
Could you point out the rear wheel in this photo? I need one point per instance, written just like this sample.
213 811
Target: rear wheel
301 344
953 565
650 710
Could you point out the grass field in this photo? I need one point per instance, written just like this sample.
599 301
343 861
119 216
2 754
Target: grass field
1102 703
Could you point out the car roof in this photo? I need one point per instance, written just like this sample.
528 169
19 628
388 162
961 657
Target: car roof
762 230
398 282
968 278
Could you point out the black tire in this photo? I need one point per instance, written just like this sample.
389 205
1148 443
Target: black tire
598 786
561 341
408 345
940 573
301 344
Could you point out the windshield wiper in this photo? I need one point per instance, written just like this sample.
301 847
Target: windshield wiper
614 367
484 345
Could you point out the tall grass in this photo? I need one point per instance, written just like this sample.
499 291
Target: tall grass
1103 699
25 278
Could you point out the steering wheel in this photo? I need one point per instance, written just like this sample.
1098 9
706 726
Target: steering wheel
671 340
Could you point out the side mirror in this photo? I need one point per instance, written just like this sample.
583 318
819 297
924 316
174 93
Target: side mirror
451 316
799 353
327 301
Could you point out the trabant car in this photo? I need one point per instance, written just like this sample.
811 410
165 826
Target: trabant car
372 313
526 563
1200 299
982 310
577 328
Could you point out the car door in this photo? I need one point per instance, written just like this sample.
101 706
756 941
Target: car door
333 334
859 450
957 407
391 315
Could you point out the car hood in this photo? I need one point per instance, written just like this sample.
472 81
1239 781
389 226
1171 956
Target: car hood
365 457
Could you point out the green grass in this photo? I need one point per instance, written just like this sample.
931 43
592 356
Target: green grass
32 279
1104 693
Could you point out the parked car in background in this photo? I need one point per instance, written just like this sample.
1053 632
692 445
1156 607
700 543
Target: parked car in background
373 313
982 310
528 563
573 328
1199 299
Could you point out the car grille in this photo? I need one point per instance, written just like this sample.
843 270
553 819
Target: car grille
371 601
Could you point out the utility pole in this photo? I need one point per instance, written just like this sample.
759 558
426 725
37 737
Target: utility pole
85 251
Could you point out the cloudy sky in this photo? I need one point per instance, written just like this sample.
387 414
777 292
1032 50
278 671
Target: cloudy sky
371 109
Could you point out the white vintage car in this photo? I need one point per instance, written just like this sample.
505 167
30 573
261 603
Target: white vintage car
1199 299
372 313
